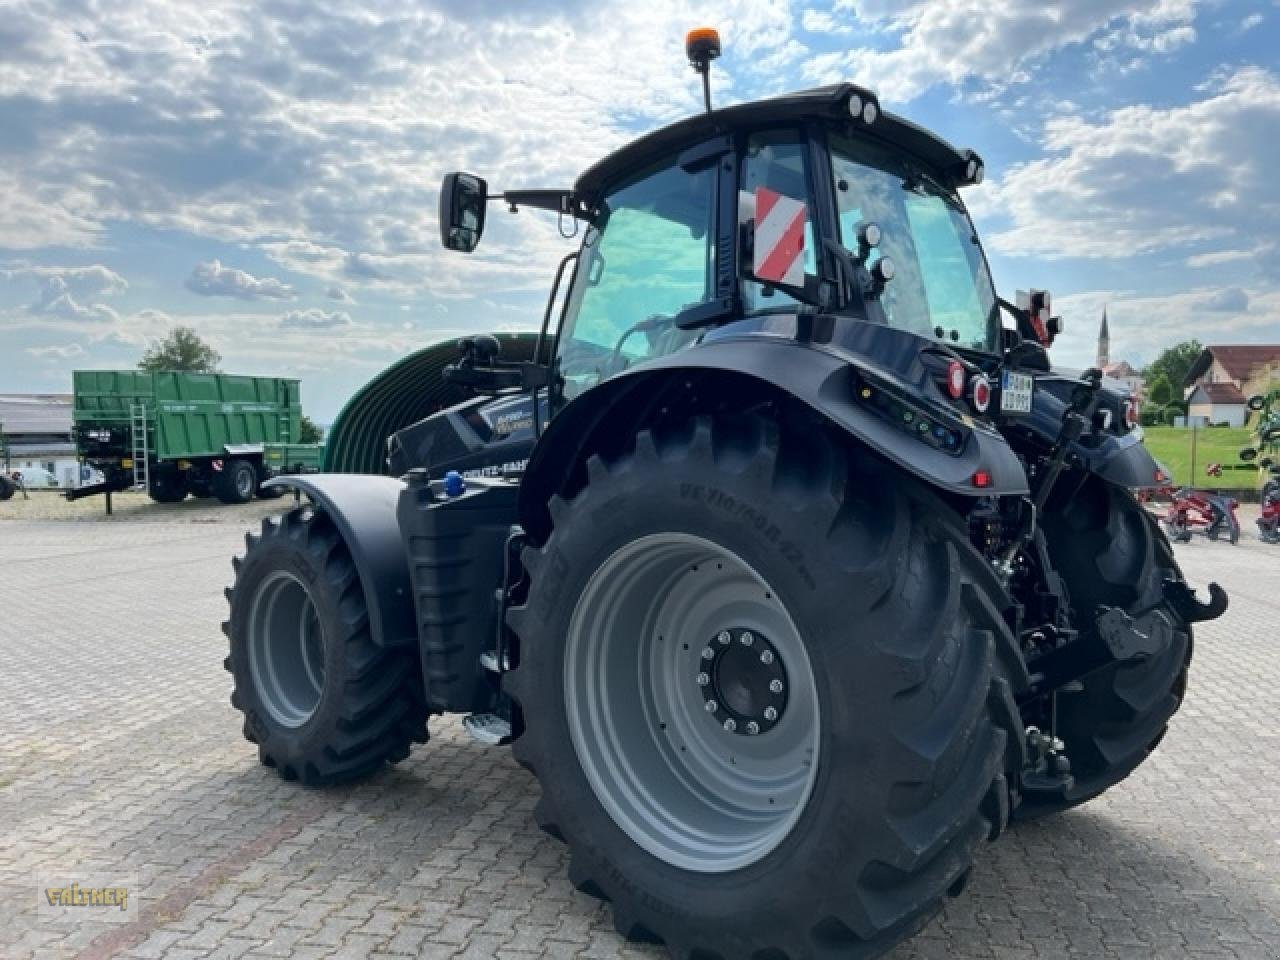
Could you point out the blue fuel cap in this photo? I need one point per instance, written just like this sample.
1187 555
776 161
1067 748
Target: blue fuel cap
454 485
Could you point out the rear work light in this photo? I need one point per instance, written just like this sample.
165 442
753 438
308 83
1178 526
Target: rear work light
956 378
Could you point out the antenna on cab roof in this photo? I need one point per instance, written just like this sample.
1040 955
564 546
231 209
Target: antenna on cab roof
702 45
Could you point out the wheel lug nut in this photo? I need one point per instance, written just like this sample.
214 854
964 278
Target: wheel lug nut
766 657
722 637
712 706
708 653
730 725
753 728
703 679
747 638
770 714
775 686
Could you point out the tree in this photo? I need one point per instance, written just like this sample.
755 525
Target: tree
182 350
309 431
1173 364
1160 391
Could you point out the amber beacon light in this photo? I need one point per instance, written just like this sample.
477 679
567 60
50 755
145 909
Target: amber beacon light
701 46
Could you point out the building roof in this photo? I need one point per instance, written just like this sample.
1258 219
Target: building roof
1120 368
40 414
1219 393
1240 361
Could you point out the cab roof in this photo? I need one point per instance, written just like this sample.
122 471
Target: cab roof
818 104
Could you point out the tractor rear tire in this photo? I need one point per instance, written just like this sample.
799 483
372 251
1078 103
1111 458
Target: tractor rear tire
324 702
167 486
235 482
835 825
1110 551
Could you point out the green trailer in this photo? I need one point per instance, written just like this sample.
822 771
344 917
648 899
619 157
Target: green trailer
174 434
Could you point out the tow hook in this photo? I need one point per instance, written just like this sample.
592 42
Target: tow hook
1183 600
1049 771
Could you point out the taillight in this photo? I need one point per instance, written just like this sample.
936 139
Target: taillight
980 392
956 376
1131 411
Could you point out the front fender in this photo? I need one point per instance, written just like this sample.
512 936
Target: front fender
822 380
363 508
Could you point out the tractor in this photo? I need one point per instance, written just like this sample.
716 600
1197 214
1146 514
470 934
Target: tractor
788 564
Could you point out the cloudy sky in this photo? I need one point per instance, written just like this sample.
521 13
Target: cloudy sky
267 172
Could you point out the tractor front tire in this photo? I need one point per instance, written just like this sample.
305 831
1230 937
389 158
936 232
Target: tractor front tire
324 701
235 482
767 692
1110 551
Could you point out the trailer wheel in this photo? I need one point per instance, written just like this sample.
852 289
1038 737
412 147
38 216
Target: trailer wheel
323 701
236 481
7 488
1110 551
765 695
166 486
266 493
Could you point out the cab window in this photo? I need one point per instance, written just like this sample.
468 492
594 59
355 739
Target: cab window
650 256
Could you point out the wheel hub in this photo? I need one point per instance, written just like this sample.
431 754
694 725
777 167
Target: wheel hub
743 681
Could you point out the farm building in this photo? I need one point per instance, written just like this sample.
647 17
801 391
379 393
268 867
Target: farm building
1217 383
36 433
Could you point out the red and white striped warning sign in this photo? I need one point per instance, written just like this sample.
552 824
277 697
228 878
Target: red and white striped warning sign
779 242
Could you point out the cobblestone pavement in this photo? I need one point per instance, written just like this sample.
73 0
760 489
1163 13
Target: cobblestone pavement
119 755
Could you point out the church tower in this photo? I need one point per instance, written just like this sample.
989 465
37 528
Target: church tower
1104 343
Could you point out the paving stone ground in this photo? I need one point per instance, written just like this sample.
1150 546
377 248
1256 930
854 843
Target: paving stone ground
120 756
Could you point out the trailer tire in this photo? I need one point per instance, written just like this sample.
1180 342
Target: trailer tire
1110 551
267 493
166 486
7 488
899 682
324 702
235 482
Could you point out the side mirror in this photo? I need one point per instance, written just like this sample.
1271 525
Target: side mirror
462 206
1256 402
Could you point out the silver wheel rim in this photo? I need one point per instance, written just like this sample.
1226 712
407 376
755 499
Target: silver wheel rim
286 649
244 482
667 768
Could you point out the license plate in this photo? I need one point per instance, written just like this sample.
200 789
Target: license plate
1015 392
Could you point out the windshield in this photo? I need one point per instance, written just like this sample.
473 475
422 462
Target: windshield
941 287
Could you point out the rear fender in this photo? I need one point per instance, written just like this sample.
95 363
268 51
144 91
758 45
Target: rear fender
363 508
732 374
1122 460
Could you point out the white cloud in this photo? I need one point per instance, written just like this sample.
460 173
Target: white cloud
62 290
95 280
54 352
212 279
824 21
301 129
1226 300
1142 179
952 41
338 294
315 319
